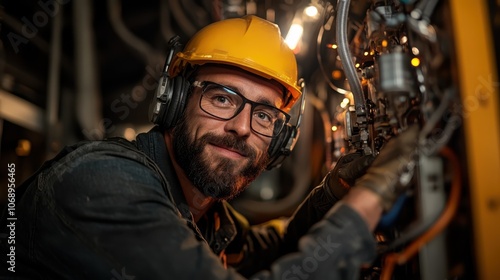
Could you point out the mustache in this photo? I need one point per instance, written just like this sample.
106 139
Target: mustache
231 142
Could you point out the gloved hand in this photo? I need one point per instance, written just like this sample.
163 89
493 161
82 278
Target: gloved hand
391 171
342 177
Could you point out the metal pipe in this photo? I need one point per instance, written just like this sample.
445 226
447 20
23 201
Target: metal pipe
179 15
88 101
149 54
346 57
165 27
53 89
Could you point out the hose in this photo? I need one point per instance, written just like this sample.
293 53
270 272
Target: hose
346 58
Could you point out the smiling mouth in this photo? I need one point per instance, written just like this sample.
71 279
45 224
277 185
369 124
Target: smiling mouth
228 152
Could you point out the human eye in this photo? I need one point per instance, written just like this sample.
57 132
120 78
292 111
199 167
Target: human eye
219 96
265 116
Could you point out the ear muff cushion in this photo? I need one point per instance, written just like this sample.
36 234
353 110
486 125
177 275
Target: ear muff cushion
177 88
279 142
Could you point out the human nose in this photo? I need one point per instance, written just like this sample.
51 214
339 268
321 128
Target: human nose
240 124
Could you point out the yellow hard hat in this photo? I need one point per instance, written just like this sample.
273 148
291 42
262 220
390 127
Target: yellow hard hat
251 43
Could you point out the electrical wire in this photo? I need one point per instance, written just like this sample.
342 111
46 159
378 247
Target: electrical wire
454 198
436 116
320 62
319 43
432 144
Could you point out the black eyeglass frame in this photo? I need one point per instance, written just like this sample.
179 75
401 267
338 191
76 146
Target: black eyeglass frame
204 84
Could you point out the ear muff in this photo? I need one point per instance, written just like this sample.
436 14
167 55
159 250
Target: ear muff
171 94
171 102
282 144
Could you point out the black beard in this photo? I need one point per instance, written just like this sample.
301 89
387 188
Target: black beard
223 183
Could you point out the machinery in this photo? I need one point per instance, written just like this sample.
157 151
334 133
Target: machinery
372 68
400 63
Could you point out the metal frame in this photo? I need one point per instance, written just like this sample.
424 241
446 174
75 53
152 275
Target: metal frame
479 89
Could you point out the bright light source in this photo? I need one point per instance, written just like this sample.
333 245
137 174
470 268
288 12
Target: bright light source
311 11
404 39
415 61
415 51
345 102
294 35
23 148
129 134
334 128
332 46
336 74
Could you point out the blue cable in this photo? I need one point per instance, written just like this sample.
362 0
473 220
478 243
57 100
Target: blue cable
390 217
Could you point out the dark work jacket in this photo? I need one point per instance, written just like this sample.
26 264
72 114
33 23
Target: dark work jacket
115 210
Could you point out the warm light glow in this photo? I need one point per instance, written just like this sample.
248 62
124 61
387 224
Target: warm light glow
357 65
384 43
311 11
129 134
334 128
336 74
294 35
266 193
23 148
404 39
331 46
345 102
365 53
415 61
270 15
415 51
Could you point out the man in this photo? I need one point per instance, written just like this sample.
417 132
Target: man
156 208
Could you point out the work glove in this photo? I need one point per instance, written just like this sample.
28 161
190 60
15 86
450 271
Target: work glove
391 171
343 176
